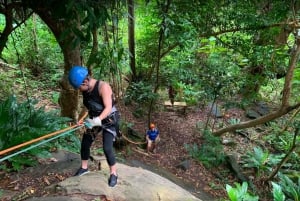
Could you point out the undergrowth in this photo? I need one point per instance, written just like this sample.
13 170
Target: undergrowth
23 121
274 166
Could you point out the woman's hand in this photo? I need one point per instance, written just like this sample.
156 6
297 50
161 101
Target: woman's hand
80 122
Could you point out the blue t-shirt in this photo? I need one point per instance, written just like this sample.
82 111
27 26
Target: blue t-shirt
152 134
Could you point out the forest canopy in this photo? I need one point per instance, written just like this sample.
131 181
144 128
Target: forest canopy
232 52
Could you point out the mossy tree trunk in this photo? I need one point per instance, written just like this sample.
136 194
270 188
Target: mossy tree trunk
69 98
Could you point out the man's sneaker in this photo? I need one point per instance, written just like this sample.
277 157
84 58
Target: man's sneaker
81 171
112 181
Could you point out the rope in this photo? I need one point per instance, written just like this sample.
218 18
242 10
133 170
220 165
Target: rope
56 134
63 131
38 144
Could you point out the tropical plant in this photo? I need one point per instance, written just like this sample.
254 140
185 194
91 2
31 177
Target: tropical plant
218 74
34 46
210 153
278 195
140 92
291 189
22 122
6 84
261 160
240 192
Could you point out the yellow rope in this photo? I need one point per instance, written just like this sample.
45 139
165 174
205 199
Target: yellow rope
40 138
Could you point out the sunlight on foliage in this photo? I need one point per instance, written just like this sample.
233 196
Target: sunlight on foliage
39 52
240 192
272 91
296 85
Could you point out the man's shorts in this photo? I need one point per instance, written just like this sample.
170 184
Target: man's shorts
154 141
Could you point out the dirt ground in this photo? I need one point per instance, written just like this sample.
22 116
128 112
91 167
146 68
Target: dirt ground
176 129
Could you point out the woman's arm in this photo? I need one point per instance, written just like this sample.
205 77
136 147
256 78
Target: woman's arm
105 92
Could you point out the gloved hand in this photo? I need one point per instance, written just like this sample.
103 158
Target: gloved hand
96 121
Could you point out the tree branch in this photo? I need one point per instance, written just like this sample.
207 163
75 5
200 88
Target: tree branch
284 109
269 117
293 25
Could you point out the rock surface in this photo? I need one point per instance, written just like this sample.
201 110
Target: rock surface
133 184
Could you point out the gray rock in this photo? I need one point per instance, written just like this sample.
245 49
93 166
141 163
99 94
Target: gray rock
262 108
133 184
57 198
184 165
252 114
257 110
215 110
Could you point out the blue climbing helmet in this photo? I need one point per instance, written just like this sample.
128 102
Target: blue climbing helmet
77 75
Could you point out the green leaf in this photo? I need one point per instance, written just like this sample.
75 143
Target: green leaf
278 195
232 193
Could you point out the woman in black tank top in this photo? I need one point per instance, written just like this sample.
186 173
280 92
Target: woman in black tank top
103 116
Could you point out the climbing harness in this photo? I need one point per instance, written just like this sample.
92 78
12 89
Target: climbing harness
56 134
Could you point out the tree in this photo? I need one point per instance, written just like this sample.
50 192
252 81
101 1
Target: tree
131 38
180 27
14 14
68 97
72 23
285 105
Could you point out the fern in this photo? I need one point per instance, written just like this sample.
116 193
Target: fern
210 153
291 189
278 195
261 160
22 122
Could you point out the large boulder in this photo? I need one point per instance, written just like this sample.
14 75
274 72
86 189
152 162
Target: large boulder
133 184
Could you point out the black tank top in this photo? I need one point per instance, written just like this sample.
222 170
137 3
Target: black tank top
93 101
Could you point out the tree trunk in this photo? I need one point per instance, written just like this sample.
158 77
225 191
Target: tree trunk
69 98
34 34
91 63
131 43
165 9
7 30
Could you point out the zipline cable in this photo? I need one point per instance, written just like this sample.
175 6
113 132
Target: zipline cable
43 137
